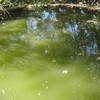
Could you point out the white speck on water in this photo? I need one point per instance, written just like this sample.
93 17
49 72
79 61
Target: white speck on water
46 87
94 78
39 94
53 60
88 68
3 91
65 72
46 81
3 23
23 36
46 51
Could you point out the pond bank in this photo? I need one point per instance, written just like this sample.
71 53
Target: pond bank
6 11
71 5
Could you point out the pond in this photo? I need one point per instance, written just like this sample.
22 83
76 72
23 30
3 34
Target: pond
52 54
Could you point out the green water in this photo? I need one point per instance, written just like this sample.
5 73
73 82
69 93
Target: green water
51 55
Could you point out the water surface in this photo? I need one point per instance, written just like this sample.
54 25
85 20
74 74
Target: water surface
51 55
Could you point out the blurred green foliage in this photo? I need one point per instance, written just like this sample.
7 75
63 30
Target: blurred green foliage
21 2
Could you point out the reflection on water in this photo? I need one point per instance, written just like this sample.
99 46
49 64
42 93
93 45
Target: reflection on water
49 16
52 54
83 30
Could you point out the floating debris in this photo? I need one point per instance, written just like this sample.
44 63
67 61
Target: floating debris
98 58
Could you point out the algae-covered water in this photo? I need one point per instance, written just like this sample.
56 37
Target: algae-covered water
51 55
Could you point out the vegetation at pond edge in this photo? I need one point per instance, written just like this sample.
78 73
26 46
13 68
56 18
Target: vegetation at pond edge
21 2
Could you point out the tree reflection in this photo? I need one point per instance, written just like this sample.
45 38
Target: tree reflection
82 25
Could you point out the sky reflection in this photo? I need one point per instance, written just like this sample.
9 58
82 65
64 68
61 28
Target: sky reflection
51 24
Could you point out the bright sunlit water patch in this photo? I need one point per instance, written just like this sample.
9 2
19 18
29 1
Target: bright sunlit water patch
51 55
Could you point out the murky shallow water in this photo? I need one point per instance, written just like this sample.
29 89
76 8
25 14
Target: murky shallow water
51 55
